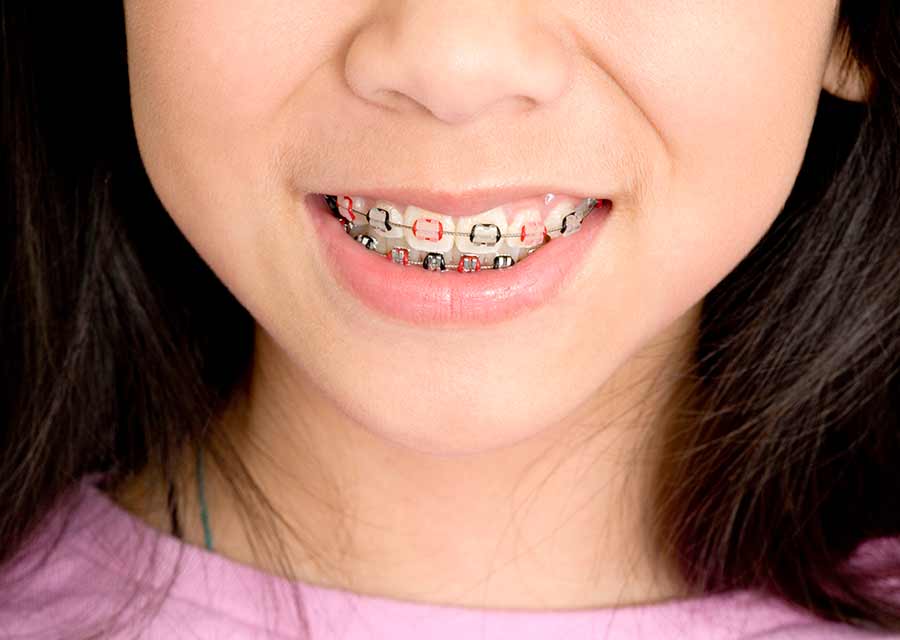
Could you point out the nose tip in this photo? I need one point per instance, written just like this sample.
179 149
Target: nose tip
456 59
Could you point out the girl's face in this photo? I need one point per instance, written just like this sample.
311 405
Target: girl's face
692 116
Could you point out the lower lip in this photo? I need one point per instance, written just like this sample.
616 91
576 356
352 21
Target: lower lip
414 295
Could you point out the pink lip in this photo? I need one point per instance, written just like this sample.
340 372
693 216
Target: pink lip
468 203
416 296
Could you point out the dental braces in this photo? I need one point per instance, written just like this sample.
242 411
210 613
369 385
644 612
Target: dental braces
436 261
467 263
483 234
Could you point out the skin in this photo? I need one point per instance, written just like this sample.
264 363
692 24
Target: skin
520 483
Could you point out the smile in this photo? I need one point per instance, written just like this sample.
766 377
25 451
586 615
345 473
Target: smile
495 239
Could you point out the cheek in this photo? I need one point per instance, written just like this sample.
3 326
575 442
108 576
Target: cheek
210 83
732 99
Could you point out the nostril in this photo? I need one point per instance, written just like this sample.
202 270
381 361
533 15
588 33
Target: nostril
400 102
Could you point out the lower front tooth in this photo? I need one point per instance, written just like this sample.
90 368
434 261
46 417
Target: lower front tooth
416 255
452 255
386 245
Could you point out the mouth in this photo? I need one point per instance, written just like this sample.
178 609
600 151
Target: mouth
427 267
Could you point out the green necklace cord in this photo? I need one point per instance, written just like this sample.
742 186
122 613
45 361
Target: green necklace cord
204 515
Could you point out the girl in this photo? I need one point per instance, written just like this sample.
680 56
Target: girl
450 319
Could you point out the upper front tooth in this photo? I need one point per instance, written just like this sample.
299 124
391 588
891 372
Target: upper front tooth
385 219
480 234
428 231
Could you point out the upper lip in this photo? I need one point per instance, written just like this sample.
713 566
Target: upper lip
466 203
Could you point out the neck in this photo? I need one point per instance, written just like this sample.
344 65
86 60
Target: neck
555 521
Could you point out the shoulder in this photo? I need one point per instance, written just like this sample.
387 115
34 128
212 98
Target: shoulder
94 570
72 579
51 586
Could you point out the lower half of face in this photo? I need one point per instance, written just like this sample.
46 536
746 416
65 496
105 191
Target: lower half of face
460 221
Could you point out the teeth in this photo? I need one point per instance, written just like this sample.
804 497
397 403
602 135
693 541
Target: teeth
479 233
570 224
467 244
586 207
348 207
554 221
428 231
526 231
385 219
385 225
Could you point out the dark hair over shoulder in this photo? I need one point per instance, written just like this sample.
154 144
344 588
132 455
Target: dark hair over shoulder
784 456
118 345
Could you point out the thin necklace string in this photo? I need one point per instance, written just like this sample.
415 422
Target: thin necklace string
201 495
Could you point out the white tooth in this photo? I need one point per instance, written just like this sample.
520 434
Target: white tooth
526 223
357 204
452 256
486 252
553 222
386 244
433 231
394 219
417 255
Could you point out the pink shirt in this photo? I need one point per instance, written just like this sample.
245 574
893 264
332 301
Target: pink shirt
89 572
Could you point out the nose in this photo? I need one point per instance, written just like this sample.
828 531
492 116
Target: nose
456 58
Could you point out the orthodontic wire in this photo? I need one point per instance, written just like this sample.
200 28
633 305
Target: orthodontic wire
333 199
